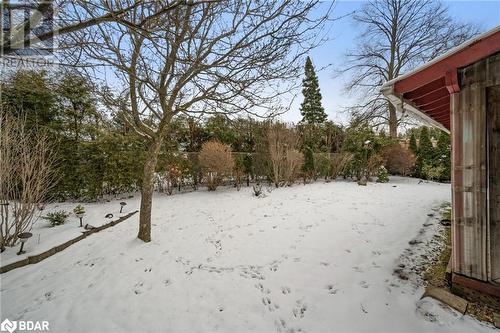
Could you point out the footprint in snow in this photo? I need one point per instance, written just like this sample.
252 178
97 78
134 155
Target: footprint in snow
48 296
285 290
364 284
331 289
280 325
270 305
263 290
299 310
323 263
273 267
138 287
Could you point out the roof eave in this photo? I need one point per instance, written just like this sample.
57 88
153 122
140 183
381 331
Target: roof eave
400 104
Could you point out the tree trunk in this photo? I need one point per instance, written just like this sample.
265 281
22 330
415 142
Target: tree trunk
147 190
393 122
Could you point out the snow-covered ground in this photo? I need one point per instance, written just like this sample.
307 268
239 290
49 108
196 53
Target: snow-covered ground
46 237
315 258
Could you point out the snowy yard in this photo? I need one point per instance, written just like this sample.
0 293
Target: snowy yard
315 258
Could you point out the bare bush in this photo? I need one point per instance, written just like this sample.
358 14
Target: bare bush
340 164
398 160
283 155
293 164
372 166
216 162
26 175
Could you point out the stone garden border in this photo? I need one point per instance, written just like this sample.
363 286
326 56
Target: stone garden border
44 255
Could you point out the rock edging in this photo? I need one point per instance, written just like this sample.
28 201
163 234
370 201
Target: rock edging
44 255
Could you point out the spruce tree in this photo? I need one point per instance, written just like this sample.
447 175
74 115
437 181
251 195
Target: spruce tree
413 143
308 166
311 109
425 154
425 149
443 155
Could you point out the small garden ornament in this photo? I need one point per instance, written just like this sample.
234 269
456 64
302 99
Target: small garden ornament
79 212
23 237
122 204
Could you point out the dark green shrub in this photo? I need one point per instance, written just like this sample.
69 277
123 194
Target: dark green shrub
56 218
308 166
382 175
323 165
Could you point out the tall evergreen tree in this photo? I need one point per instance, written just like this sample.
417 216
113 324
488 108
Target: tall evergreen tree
311 109
426 150
413 143
444 155
308 166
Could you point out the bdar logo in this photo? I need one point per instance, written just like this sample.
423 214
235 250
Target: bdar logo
8 325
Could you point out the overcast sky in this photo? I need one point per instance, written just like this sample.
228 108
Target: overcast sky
342 35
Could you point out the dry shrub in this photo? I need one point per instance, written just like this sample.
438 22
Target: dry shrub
340 163
216 162
26 175
372 166
294 162
398 160
173 177
284 158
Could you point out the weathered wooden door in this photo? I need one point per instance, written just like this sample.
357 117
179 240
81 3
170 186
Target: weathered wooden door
469 178
493 139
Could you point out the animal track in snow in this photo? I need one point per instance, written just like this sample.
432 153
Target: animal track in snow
273 266
364 284
138 287
263 290
252 272
306 228
357 269
285 290
269 304
331 289
280 324
299 310
49 296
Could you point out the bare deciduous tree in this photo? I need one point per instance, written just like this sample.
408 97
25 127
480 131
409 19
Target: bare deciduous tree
398 35
26 175
284 158
213 57
47 19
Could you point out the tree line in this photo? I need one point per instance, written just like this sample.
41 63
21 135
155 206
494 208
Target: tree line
99 154
173 63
